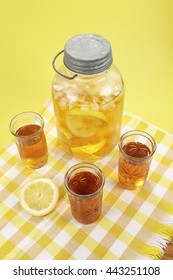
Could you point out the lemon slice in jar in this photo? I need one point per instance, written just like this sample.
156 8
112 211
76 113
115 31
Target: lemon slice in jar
65 133
85 123
39 196
90 148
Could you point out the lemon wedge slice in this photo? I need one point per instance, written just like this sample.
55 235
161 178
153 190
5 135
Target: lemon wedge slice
85 123
90 148
39 196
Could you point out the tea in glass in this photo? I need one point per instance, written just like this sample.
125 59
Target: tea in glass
30 139
84 183
136 149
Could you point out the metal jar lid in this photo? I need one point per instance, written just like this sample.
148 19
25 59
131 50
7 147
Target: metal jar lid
87 54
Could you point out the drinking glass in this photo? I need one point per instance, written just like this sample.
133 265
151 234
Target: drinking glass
28 130
136 149
84 183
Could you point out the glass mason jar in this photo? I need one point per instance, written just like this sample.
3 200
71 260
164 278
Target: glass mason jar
88 97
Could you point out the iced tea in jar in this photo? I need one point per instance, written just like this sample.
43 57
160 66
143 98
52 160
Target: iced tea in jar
88 97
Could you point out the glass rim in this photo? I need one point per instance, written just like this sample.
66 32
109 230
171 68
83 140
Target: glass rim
15 118
142 133
80 166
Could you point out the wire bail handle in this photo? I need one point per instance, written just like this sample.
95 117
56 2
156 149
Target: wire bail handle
54 67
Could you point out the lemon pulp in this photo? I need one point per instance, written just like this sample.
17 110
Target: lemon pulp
85 123
39 197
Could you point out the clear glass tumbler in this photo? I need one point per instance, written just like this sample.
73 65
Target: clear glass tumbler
136 149
84 183
27 128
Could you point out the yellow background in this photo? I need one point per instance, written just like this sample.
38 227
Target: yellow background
141 35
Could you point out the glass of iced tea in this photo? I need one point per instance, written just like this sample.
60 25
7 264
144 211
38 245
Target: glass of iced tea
28 129
136 149
84 183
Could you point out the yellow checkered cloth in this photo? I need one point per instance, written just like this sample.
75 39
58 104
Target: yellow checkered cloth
133 225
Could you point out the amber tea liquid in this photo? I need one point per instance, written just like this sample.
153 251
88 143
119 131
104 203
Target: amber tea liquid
86 203
32 145
132 174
